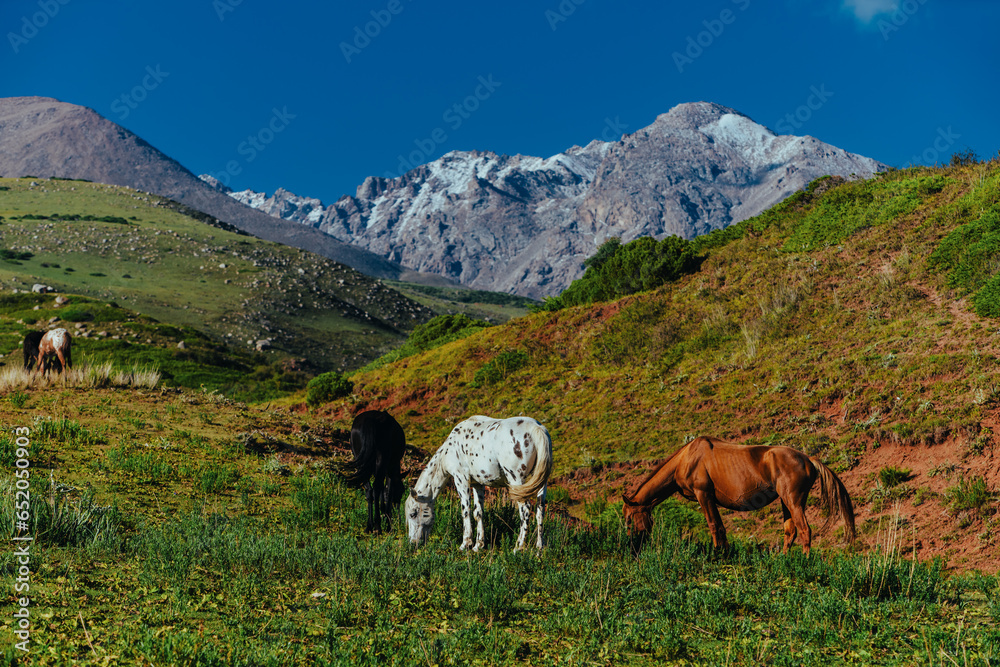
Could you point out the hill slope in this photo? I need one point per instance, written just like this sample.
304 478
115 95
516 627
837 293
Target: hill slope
146 252
829 323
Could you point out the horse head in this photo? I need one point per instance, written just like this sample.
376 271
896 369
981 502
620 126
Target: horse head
419 512
638 521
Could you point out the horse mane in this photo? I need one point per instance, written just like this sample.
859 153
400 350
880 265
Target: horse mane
628 497
361 467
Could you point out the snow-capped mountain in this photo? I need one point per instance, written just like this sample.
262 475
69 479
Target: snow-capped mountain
525 224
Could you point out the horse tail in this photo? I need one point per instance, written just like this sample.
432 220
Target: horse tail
836 498
365 447
543 466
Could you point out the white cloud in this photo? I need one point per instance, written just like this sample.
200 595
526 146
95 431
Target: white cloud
866 10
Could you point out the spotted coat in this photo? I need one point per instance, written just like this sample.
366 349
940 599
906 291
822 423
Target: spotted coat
514 453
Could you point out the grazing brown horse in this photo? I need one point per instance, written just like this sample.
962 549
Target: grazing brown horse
716 473
59 343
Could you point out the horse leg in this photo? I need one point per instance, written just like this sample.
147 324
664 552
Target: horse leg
715 525
479 494
462 486
789 525
377 489
371 505
524 511
539 515
805 533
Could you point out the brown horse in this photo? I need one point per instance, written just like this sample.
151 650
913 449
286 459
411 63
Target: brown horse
59 343
713 473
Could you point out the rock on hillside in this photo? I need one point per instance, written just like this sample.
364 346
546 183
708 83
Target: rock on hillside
525 224
43 137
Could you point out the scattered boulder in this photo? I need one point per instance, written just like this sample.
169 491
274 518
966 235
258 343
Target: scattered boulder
38 288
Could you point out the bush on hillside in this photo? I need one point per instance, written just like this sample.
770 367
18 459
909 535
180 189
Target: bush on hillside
435 333
444 329
500 367
617 270
327 387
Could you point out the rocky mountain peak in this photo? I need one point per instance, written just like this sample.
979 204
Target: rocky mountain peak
524 224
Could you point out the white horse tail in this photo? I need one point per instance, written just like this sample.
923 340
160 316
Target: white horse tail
543 465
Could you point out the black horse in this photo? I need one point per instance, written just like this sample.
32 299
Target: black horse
378 443
30 349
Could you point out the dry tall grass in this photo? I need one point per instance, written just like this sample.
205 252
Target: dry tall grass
86 376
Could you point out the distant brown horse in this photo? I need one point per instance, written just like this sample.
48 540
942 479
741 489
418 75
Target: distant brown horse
713 473
58 343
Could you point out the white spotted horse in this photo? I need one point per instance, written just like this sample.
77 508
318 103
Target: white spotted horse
378 443
515 453
57 343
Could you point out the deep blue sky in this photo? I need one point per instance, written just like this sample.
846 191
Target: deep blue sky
211 73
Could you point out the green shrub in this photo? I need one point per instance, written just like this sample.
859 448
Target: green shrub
500 367
327 387
617 270
444 329
891 476
968 494
858 205
14 255
76 315
435 333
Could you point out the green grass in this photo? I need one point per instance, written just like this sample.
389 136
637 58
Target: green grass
149 516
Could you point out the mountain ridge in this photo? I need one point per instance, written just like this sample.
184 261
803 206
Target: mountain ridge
44 137
699 167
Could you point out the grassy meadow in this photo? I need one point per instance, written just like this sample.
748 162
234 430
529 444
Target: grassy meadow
180 528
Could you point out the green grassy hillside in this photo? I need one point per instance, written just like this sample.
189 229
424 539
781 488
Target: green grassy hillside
843 322
178 528
183 268
162 260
